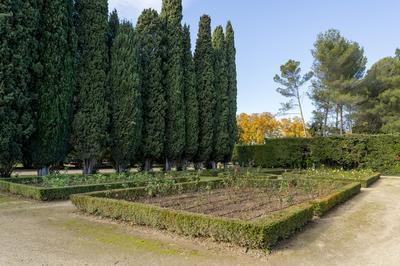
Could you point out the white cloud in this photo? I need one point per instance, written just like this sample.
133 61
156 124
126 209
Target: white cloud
130 8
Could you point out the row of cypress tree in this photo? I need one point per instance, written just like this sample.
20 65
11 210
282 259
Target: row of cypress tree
75 80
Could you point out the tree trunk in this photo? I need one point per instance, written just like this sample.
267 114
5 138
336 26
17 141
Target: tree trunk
225 166
198 166
168 165
88 166
301 113
213 165
44 171
350 121
341 120
325 129
147 165
120 169
183 165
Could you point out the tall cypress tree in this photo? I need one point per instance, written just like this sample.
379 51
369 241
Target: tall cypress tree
232 87
18 64
113 24
55 86
149 33
191 103
171 16
126 103
91 120
203 59
222 110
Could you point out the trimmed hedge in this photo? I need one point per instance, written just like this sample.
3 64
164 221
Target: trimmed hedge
14 186
262 233
365 182
378 152
323 205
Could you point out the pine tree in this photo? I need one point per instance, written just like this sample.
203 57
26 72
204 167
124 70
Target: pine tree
191 103
171 16
55 86
18 65
91 115
232 87
149 33
222 112
203 59
126 103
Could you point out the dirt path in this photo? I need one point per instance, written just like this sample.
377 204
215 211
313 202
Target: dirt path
364 231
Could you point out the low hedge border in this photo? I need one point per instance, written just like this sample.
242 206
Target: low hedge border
324 204
365 182
62 193
262 233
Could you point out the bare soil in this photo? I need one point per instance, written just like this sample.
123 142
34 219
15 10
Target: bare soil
364 231
238 203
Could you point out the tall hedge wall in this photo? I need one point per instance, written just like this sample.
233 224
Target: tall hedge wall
378 152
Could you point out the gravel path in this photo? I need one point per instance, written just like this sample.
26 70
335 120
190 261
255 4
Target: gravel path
364 231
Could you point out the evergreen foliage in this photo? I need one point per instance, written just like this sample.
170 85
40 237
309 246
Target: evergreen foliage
171 16
126 103
18 66
55 85
379 109
190 94
113 24
221 145
204 60
149 32
91 115
232 86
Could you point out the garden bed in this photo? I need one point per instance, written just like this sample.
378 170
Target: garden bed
243 213
63 186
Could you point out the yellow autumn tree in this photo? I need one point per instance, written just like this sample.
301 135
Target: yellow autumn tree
255 128
292 128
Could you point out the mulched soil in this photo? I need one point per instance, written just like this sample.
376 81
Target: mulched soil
244 203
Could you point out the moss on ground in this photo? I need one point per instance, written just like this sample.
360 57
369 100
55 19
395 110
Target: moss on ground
110 236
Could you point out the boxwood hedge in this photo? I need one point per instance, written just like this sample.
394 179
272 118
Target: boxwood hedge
378 152
262 233
21 186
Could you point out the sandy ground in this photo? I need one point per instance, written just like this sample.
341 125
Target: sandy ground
364 231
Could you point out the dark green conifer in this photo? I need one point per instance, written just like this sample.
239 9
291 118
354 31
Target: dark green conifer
232 87
18 64
113 24
126 103
171 16
55 85
222 110
203 59
149 33
191 103
91 115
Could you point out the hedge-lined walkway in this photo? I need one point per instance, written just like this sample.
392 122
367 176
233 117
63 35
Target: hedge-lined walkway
364 231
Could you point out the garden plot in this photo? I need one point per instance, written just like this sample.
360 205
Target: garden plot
245 203
254 213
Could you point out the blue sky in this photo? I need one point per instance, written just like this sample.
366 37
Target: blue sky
269 32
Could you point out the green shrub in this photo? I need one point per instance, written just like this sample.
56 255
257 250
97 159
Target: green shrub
323 205
378 152
28 187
